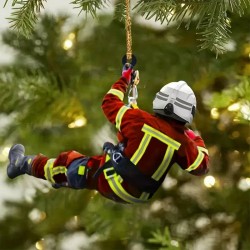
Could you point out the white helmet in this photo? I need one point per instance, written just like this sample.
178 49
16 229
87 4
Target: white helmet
176 100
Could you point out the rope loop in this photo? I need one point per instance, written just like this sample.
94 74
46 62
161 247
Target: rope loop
128 31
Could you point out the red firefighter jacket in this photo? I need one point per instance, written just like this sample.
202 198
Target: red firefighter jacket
153 144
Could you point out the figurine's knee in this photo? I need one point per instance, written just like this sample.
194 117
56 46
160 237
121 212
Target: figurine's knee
77 173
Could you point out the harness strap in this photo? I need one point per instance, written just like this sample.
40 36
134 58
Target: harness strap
130 173
100 170
115 173
118 168
115 180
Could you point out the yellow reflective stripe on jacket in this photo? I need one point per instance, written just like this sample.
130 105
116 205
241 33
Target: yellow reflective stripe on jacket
197 161
202 149
119 116
160 136
150 132
141 149
48 170
164 165
114 182
117 93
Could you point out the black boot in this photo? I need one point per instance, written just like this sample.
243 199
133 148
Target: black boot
19 163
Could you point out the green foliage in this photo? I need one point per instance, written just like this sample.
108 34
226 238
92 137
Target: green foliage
17 223
25 14
212 17
236 97
47 77
120 11
163 239
90 6
47 86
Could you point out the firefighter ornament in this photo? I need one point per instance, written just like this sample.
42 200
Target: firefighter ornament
148 146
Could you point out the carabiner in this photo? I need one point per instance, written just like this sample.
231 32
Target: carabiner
132 95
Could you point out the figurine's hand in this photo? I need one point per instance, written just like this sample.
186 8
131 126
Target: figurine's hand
127 72
190 133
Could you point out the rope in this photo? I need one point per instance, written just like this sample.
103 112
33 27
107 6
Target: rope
128 31
133 94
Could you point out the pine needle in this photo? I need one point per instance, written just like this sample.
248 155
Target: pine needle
120 11
90 6
211 19
24 16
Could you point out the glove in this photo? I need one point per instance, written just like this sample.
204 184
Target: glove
190 133
127 72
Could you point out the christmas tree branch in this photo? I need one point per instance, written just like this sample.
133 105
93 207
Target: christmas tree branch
120 11
211 16
90 6
211 19
25 15
214 28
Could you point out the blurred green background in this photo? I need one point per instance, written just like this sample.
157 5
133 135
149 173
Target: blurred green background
50 101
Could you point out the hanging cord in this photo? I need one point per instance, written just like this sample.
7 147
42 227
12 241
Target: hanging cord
130 58
128 31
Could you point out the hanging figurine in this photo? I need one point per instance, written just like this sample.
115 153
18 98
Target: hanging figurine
148 146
